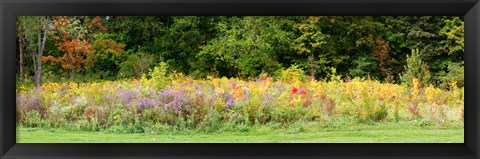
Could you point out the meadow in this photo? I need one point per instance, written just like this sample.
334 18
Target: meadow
163 104
240 78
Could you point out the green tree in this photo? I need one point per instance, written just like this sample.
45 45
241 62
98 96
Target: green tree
108 55
416 68
39 26
138 33
311 42
182 40
425 32
454 31
246 45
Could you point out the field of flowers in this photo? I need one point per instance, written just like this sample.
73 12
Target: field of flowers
180 102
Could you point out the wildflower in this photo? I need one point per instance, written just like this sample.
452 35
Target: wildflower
266 102
246 92
128 94
229 99
298 83
230 103
199 98
303 92
234 85
146 102
416 88
34 102
294 90
80 100
176 110
238 94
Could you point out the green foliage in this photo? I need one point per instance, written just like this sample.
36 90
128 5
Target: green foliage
311 42
137 32
136 65
157 77
246 45
453 30
32 119
183 39
290 74
333 75
415 68
362 66
456 73
371 110
211 122
108 55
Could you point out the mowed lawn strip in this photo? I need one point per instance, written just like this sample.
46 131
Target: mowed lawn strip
258 135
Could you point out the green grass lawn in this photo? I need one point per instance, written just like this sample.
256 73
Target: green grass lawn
380 133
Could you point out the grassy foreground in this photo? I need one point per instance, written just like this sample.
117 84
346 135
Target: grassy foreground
383 133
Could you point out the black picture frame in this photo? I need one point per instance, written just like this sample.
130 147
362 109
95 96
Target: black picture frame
9 9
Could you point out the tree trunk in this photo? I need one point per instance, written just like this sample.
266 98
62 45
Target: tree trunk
311 60
30 48
39 40
41 47
21 43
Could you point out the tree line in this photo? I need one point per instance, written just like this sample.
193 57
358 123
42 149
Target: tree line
387 48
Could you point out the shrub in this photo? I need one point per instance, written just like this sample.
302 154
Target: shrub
371 110
415 68
455 73
136 65
293 73
158 77
211 122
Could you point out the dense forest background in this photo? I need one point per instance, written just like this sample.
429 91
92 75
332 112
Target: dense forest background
386 48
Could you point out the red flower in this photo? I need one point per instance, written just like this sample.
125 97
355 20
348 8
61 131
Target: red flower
303 92
294 90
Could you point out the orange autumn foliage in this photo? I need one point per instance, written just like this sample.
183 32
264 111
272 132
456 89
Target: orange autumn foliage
74 57
74 38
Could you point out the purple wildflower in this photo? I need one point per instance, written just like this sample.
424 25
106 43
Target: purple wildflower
230 99
108 97
176 110
267 99
128 95
20 99
281 86
146 102
33 102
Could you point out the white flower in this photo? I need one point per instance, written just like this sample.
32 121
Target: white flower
81 101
